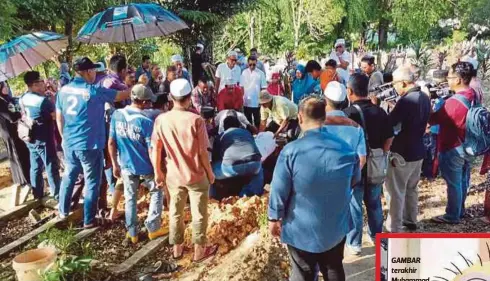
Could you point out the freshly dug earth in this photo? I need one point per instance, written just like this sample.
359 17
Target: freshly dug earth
5 176
16 228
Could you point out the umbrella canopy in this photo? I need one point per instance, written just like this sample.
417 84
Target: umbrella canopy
129 23
25 52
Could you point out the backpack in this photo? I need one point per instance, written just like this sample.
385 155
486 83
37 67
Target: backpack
376 160
477 132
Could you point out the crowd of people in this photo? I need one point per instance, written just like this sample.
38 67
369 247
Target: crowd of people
188 138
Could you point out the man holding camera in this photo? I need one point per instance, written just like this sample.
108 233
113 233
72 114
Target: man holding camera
410 114
369 68
453 163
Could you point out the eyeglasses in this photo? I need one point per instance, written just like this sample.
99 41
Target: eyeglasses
252 64
234 60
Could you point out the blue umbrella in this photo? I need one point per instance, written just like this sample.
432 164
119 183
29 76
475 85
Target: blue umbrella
129 23
25 52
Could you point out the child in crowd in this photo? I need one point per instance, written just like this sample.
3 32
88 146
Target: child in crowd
276 88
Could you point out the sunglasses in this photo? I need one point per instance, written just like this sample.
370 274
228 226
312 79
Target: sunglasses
252 64
235 60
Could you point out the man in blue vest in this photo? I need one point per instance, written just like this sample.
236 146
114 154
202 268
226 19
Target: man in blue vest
42 149
80 120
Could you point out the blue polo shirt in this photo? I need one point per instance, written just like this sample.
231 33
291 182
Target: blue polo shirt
39 108
311 191
132 131
82 107
352 135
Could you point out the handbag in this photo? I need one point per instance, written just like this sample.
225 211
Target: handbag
376 160
25 125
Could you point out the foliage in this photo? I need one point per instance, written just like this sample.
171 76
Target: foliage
67 268
422 58
63 240
483 57
7 19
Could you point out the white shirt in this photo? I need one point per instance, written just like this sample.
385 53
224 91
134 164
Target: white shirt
344 73
252 82
220 119
223 72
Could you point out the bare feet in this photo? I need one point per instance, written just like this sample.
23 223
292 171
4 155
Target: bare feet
202 252
178 251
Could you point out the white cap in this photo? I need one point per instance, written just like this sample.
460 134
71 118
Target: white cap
339 42
471 60
335 91
176 58
101 67
232 54
180 87
237 50
229 81
200 46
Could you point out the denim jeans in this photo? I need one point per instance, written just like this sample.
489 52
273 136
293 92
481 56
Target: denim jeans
455 170
430 142
253 169
43 155
371 195
90 162
131 185
111 181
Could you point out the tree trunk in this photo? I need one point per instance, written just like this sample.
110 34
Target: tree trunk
383 33
252 31
70 47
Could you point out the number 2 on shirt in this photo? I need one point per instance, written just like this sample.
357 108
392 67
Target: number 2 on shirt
72 103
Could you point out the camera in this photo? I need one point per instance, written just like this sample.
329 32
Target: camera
385 92
441 90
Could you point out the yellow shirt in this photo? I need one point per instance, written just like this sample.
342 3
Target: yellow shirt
282 109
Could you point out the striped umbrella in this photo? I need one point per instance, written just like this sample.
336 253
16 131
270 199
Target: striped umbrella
25 52
129 23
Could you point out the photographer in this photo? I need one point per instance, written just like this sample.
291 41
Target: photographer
454 166
369 68
411 113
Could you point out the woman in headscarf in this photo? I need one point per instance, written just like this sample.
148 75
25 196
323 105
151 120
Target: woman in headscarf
18 154
65 77
303 85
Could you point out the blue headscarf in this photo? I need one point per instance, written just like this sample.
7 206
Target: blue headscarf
304 86
65 77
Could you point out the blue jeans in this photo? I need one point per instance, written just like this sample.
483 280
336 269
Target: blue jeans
371 195
90 162
455 170
253 169
111 181
43 155
131 185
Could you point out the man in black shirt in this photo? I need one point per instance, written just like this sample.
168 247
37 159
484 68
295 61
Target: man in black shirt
409 118
380 135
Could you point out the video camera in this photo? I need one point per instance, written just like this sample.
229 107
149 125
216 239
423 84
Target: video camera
385 92
441 90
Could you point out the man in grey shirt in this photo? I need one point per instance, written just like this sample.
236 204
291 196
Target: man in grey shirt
369 68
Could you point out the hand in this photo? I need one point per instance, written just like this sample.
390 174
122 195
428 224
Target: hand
108 163
374 99
160 179
391 104
211 178
275 228
116 170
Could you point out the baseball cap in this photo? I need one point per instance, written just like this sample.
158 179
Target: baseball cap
100 67
143 93
180 88
176 58
84 63
335 91
264 97
339 42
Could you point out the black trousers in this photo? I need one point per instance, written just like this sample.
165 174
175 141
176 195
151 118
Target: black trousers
253 115
304 264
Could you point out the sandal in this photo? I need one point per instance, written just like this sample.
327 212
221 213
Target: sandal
209 251
442 219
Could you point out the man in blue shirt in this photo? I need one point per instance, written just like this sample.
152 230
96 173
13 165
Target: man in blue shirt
144 68
42 148
339 124
309 200
129 147
80 119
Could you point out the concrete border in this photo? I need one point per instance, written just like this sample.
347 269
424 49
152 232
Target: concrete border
20 210
56 222
148 249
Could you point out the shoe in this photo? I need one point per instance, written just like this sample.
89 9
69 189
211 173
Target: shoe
353 251
410 226
159 233
133 240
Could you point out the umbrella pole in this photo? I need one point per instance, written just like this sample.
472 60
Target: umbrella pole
28 64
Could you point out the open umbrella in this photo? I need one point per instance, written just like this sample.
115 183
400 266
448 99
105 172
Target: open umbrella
25 52
129 23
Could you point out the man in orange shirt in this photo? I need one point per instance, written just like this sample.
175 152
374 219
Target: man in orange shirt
231 97
180 148
329 74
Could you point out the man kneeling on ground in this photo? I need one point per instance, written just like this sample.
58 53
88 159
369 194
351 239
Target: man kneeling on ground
236 156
